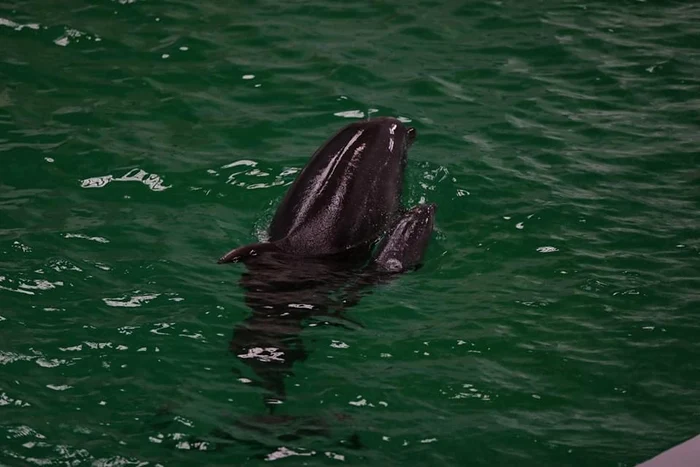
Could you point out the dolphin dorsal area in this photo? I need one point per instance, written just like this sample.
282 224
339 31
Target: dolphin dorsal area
346 195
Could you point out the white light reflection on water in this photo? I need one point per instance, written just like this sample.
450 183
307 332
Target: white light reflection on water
350 114
468 391
86 237
247 168
152 181
16 26
130 302
30 286
283 452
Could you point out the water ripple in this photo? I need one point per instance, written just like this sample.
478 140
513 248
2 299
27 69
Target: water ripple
553 322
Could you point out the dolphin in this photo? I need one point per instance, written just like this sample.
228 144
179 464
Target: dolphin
405 242
315 262
344 198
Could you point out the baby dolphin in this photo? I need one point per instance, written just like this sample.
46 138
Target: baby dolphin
403 246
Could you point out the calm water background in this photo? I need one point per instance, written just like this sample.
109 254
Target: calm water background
555 321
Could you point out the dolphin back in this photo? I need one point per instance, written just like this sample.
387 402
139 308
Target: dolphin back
348 191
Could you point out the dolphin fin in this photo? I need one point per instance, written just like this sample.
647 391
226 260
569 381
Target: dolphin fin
243 252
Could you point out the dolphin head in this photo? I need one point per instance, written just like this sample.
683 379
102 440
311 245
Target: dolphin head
405 242
395 137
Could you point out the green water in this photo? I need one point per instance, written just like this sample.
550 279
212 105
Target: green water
555 321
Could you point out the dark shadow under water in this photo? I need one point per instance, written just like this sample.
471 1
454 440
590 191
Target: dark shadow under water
286 293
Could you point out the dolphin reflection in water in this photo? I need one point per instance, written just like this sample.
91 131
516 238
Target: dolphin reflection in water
284 293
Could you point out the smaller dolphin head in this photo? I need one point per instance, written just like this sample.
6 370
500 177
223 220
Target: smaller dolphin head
404 244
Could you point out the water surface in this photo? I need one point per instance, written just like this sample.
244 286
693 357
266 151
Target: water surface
553 323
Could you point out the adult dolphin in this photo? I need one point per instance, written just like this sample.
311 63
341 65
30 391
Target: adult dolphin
345 197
